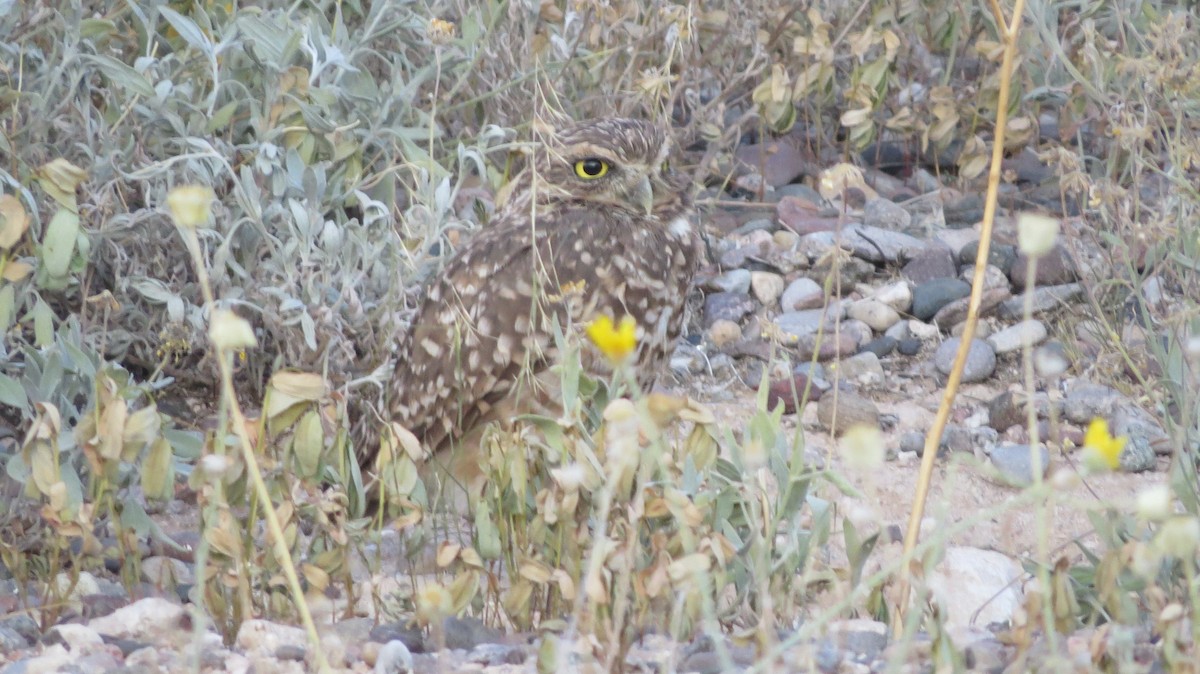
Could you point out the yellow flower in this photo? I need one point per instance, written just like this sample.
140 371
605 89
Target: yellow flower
1100 449
191 205
615 343
440 31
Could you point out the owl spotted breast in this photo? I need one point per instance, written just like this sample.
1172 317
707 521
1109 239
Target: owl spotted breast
596 224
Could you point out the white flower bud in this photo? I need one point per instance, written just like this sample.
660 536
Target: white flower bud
1036 234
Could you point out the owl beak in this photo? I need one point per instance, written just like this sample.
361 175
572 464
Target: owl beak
642 194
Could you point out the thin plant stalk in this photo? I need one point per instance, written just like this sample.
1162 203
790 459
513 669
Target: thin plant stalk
247 447
1010 29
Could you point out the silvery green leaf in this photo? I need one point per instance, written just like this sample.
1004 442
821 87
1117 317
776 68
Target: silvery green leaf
187 29
43 324
8 308
121 74
13 394
309 328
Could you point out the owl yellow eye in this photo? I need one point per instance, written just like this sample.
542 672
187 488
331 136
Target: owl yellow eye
591 168
666 167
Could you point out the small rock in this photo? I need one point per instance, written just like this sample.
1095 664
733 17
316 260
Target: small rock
738 257
955 239
412 637
874 313
791 393
913 441
863 368
1015 463
956 312
881 346
909 347
394 658
166 572
830 346
983 329
934 262
11 640
1051 359
467 633
733 281
838 412
1138 455
931 296
803 218
1018 336
981 360
1043 299
993 277
923 331
727 306
803 293
78 638
266 638
886 214
999 255
987 654
1007 410
956 439
153 620
975 586
1085 401
866 639
896 295
767 287
899 331
859 331
963 211
1146 436
687 359
756 225
1054 268
496 655
871 244
814 371
797 324
802 192
785 240
779 161
724 332
291 652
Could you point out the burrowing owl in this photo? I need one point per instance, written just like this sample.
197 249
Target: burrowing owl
596 224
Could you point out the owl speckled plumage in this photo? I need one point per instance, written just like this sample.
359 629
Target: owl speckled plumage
597 224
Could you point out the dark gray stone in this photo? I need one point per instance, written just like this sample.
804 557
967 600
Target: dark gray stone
931 296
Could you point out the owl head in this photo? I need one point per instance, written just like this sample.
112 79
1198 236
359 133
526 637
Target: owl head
612 163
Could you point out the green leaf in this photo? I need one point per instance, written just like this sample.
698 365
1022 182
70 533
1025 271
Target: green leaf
158 471
121 74
187 29
8 307
59 243
12 393
308 443
89 29
220 118
487 536
43 325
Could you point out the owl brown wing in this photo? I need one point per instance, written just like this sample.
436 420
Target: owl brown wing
461 353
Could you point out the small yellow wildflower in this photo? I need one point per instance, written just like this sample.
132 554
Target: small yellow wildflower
614 342
1100 449
441 31
190 205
